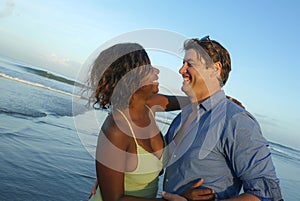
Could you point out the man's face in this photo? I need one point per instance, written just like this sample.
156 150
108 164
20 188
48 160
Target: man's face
195 74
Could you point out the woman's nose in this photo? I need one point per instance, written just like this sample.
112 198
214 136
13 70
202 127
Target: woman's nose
156 70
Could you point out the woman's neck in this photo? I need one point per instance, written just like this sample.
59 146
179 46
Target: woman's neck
138 111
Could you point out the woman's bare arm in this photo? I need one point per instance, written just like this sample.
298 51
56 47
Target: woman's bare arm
161 102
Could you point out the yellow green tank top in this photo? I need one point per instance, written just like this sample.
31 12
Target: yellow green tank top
143 181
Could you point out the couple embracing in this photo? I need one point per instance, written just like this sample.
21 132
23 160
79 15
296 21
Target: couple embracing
212 150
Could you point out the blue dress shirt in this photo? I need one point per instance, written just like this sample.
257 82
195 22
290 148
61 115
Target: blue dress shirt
224 146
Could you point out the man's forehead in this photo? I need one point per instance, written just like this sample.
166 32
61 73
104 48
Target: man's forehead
191 55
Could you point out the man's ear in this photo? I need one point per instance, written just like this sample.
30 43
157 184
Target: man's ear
218 67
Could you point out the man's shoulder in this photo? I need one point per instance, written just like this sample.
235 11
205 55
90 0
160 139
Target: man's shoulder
232 108
238 117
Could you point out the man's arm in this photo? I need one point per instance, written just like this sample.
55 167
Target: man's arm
248 153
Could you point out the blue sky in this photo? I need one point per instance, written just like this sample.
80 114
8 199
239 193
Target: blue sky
261 36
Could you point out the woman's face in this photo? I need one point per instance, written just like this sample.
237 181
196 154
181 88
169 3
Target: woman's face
149 84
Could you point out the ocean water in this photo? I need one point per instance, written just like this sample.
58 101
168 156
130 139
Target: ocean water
48 139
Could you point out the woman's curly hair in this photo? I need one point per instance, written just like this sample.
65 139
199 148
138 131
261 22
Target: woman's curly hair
116 74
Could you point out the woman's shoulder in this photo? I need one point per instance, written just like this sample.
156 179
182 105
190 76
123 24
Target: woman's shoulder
116 128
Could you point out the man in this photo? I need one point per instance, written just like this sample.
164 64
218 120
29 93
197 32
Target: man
213 138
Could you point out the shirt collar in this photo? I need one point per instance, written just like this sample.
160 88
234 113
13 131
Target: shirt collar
204 106
211 102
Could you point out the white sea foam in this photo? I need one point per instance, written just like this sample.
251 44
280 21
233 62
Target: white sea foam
37 85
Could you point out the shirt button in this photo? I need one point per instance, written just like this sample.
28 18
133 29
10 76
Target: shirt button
167 180
174 156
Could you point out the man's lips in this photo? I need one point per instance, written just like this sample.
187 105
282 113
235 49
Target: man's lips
186 77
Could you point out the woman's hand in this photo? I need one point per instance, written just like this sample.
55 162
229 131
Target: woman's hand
236 101
93 191
194 193
172 197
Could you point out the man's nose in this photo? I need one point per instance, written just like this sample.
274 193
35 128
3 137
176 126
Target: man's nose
183 68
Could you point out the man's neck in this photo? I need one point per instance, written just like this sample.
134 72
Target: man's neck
203 96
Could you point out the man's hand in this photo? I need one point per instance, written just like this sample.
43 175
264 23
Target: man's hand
193 193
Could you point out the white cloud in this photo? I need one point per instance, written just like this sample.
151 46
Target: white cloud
59 60
59 64
7 9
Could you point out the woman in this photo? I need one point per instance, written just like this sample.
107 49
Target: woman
130 145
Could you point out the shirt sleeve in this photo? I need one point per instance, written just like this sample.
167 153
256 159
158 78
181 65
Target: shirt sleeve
250 158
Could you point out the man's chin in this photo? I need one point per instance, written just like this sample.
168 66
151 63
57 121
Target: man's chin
187 90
